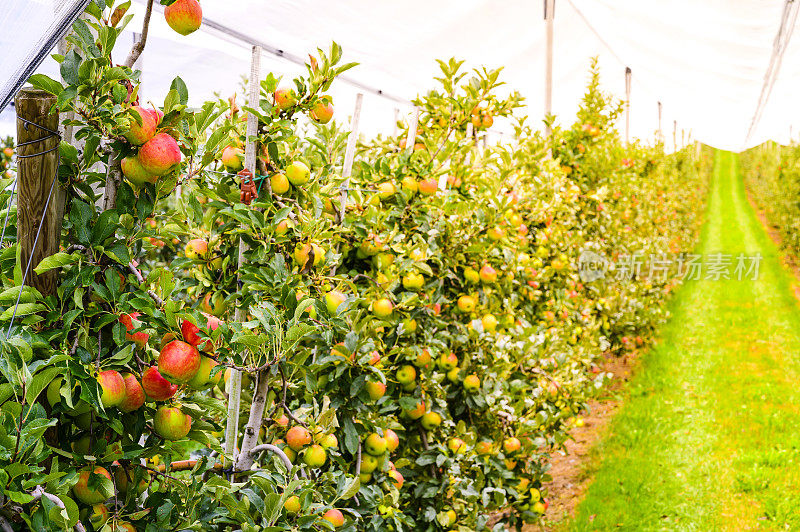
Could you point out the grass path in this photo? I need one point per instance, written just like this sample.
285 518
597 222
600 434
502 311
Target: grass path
709 437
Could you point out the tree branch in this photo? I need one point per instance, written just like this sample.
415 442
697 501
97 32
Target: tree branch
138 274
246 457
38 493
138 48
269 447
5 526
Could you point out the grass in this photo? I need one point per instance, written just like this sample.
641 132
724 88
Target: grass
709 437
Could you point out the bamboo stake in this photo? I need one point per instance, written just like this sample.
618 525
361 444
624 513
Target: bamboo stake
660 131
349 156
627 105
549 15
235 382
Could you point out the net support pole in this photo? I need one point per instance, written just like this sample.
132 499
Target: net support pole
675 134
349 156
549 15
627 105
235 381
411 138
660 131
35 181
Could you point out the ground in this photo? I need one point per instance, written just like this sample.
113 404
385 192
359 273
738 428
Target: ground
706 435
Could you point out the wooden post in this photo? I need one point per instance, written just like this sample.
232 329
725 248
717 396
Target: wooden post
627 105
35 182
549 15
697 146
349 156
411 138
660 131
235 383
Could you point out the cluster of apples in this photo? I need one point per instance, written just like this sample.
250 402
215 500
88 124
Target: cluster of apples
158 153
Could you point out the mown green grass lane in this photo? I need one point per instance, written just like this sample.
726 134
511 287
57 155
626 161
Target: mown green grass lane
709 437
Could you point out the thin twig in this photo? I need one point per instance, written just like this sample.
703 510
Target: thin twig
289 413
138 48
138 274
5 526
38 493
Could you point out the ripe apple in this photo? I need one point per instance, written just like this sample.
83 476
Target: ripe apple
124 478
483 448
232 158
292 504
302 253
410 184
139 134
489 323
140 338
375 390
88 495
184 16
298 173
214 304
471 383
471 276
160 155
431 420
113 387
334 517
191 332
134 394
397 477
156 387
457 445
333 300
488 274
386 190
375 444
495 233
428 187
466 304
280 184
413 281
452 375
329 441
196 248
322 112
202 378
285 98
135 173
406 374
448 361
98 517
416 412
298 437
382 308
315 456
171 423
392 440
369 463
511 445
178 362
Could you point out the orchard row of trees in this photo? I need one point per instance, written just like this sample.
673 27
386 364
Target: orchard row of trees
263 352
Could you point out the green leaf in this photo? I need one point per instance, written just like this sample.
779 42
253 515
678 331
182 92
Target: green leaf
58 260
105 226
46 83
70 66
172 100
29 295
24 309
179 86
40 382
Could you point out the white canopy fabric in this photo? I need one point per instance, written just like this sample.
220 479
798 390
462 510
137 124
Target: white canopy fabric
705 60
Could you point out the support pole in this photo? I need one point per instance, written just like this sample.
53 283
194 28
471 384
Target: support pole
549 15
349 156
675 134
660 131
411 139
395 130
35 181
627 105
235 382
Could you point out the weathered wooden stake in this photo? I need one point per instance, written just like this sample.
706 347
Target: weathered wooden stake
660 131
549 15
235 382
349 156
675 134
35 176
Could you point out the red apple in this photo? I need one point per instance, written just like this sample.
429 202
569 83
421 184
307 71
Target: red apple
134 394
297 437
322 112
83 492
232 158
113 386
171 423
178 362
139 134
135 173
285 98
160 155
428 187
140 338
155 386
334 517
184 16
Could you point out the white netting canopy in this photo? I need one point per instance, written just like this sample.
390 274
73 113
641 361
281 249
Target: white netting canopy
714 64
